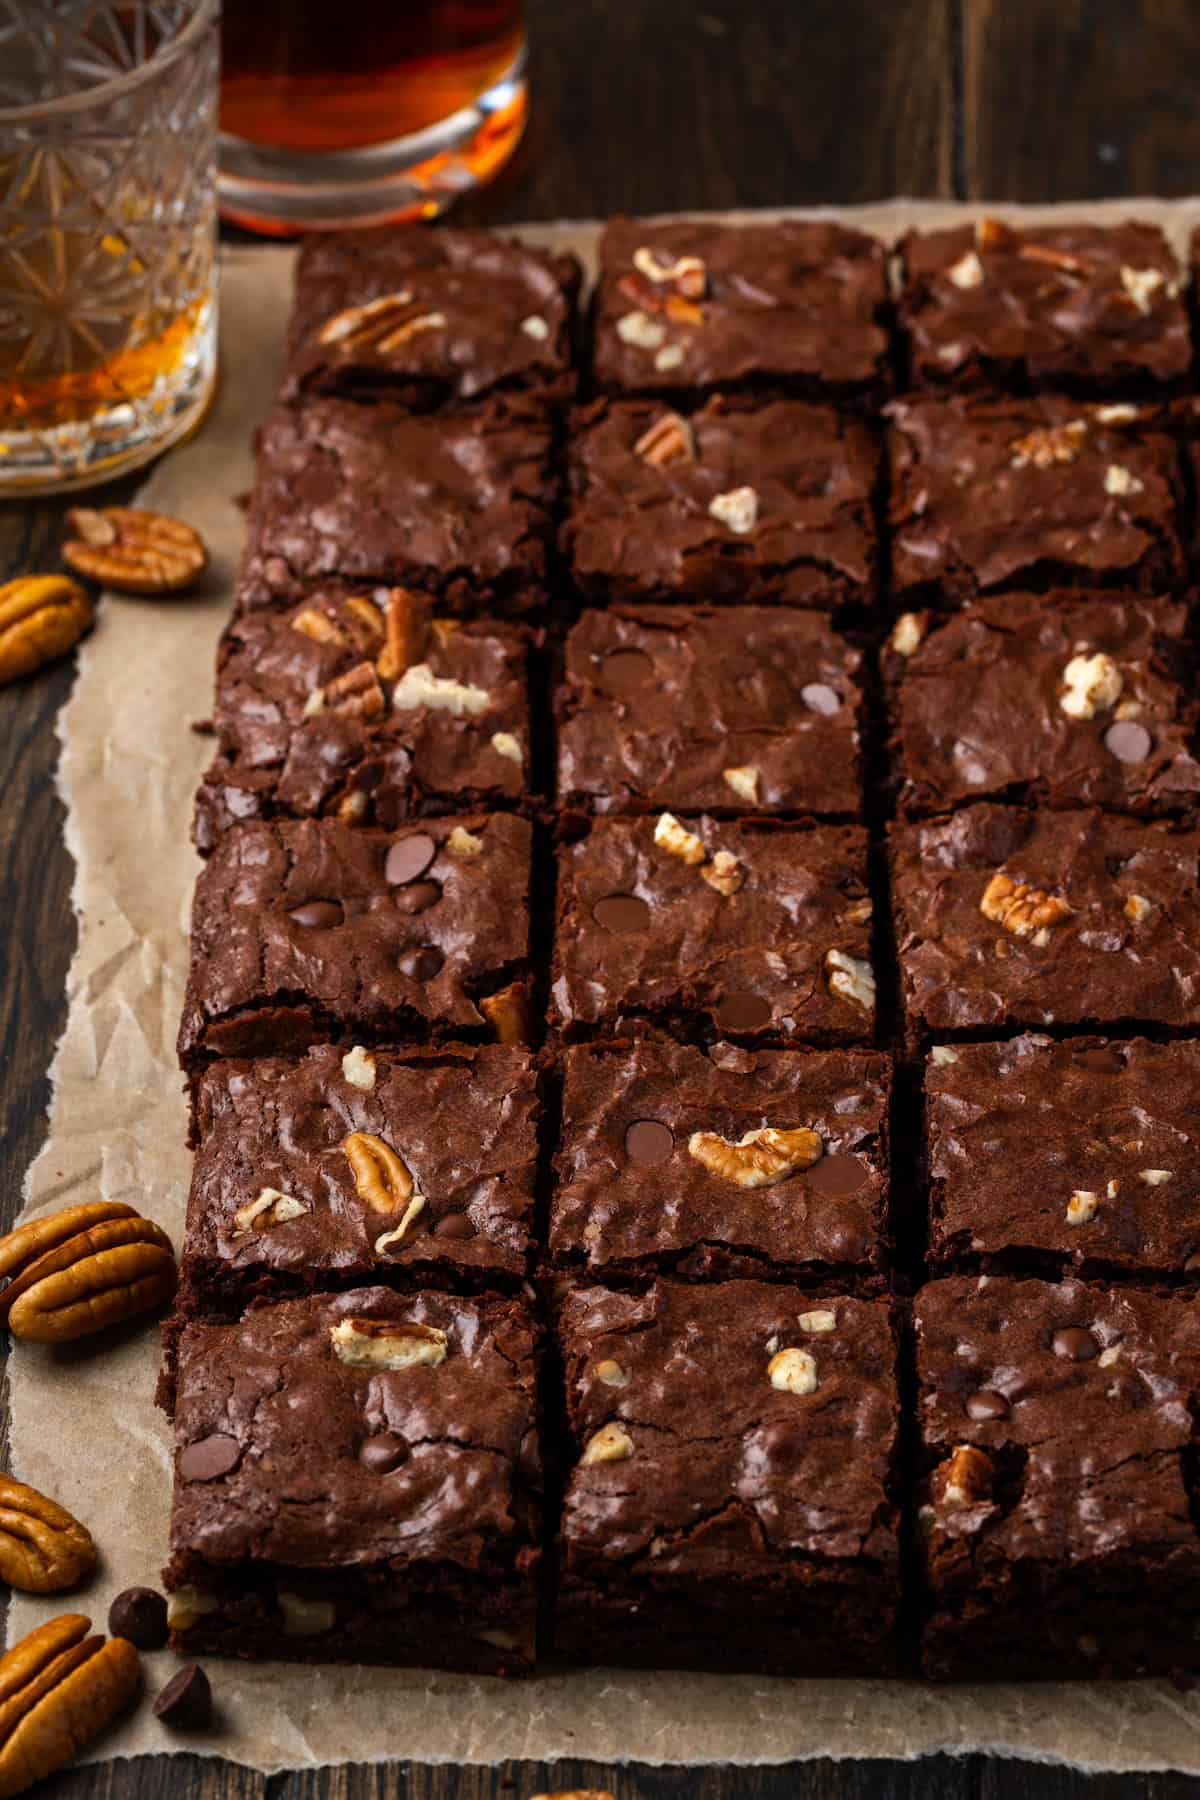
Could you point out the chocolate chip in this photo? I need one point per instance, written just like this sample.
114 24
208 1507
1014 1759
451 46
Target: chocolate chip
743 1012
626 672
1100 1062
209 1457
837 1175
317 915
648 1141
139 1614
987 1405
621 912
423 964
1128 742
820 698
1076 1344
455 1225
418 897
186 1701
408 858
1192 1264
383 1453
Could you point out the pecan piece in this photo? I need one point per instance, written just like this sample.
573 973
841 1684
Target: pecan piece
364 622
382 324
669 439
356 694
507 1012
1025 911
1053 258
388 1344
41 618
43 1547
760 1158
404 635
318 626
59 1688
965 1478
381 1178
105 1274
1046 445
133 550
23 1246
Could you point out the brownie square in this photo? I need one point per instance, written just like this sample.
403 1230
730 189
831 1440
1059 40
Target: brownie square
753 930
309 929
1080 1154
291 1190
989 494
362 705
1090 309
1009 918
740 1162
709 708
690 304
458 504
357 1480
430 318
1060 700
731 1505
1057 1530
732 503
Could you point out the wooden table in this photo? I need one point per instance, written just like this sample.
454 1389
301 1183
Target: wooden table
651 105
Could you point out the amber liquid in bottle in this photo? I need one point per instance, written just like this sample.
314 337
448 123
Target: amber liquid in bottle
329 75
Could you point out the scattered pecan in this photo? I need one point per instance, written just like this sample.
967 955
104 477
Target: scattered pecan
59 1688
356 694
381 1178
383 324
106 1273
1025 911
387 1344
507 1012
404 634
134 551
965 1478
41 618
1052 258
687 275
364 622
19 1248
669 439
994 234
1046 445
43 1548
313 623
759 1159
724 873
670 835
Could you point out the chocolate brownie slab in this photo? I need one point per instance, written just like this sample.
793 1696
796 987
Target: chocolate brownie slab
709 708
734 502
739 1162
730 1504
1057 1516
357 1479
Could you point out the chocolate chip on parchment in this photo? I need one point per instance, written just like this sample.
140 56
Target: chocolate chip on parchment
186 1701
139 1614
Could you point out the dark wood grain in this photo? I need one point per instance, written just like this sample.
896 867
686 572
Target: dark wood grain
650 105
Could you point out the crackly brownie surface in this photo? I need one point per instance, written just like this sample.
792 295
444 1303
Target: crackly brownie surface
1091 308
730 1505
1007 917
989 494
429 316
687 303
745 930
458 503
309 928
359 703
709 708
1067 701
352 1165
733 502
356 1478
1057 1528
739 1162
1085 1152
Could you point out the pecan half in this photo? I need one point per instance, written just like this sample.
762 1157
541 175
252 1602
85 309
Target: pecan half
364 622
1025 911
507 1012
43 1547
669 439
380 1176
760 1158
1053 258
356 694
388 1344
59 1688
41 618
404 639
133 550
105 1274
23 1246
384 324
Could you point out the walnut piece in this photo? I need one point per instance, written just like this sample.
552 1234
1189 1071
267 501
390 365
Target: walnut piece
1091 684
967 272
688 275
724 872
965 1478
420 687
668 440
1121 481
611 1373
505 744
388 1344
744 782
1025 911
462 842
908 633
1141 285
358 1068
535 328
270 1208
670 835
610 1444
942 1054
639 329
1154 1177
760 1158
737 509
303 1617
820 1321
1046 445
1137 908
1082 1207
793 1371
850 978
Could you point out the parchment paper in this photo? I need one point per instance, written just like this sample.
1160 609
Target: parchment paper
84 1426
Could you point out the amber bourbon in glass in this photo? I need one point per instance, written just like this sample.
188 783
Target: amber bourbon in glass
108 118
355 111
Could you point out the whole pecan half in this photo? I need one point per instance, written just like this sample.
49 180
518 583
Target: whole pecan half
103 1275
43 1547
59 1688
41 618
380 1176
23 1246
133 550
